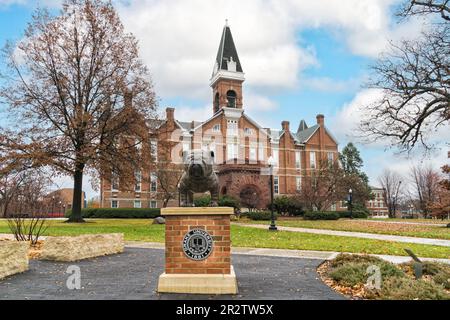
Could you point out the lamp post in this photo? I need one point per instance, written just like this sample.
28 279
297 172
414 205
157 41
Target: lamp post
271 163
350 200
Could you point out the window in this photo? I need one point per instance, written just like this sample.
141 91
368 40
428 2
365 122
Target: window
137 203
153 204
231 98
216 128
232 127
154 150
232 151
114 204
330 157
276 185
153 182
138 180
298 183
248 131
261 151
252 152
114 182
216 103
333 207
312 159
297 160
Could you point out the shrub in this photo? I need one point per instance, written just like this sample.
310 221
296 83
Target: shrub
203 201
228 201
287 205
404 288
439 271
354 214
398 282
118 213
321 215
260 215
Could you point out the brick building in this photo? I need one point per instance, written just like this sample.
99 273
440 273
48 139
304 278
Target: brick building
241 146
377 206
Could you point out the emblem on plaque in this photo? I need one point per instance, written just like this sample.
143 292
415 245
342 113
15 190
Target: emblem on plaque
197 244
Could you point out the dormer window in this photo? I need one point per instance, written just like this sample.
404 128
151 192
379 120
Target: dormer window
231 98
231 65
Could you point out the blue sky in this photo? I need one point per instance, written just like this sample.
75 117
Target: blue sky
301 58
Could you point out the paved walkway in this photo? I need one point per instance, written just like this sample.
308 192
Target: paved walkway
386 237
443 224
287 253
134 274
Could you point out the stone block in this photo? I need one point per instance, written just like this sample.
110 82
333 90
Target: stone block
82 247
13 257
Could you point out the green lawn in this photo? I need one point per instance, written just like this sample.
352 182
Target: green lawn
356 225
143 230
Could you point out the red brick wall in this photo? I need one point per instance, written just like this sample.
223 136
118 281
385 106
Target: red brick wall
218 226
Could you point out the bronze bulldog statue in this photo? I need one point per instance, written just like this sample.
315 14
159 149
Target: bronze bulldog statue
198 176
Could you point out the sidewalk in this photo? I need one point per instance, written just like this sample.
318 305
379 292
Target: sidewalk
386 237
285 253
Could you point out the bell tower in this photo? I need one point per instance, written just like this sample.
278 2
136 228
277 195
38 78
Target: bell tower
227 76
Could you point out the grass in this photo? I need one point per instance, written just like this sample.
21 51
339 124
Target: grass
143 230
369 226
397 281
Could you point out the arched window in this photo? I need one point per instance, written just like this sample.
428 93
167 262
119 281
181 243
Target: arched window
216 103
231 97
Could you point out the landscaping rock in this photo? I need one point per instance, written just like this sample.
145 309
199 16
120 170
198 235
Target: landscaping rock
82 247
13 257
159 220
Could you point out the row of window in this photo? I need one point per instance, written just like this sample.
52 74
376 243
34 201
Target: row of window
276 184
138 182
136 204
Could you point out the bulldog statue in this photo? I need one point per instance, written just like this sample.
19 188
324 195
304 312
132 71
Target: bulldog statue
198 176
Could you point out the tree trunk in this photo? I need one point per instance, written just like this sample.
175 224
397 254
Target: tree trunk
75 216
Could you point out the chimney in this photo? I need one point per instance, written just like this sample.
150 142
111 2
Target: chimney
285 126
320 119
170 114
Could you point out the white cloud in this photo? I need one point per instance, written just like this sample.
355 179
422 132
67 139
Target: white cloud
376 155
179 38
345 122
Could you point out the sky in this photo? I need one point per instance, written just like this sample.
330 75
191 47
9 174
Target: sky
300 57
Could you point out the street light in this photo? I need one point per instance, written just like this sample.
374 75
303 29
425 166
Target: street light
350 199
271 163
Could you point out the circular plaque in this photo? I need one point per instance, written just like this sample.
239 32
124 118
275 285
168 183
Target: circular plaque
197 244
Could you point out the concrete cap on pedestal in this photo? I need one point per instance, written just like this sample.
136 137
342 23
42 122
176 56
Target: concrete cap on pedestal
191 211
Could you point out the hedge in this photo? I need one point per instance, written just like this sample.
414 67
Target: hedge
118 212
354 214
321 215
260 215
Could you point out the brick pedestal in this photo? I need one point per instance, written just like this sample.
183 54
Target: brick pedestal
183 274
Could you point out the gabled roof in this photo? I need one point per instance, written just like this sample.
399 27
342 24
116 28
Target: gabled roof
227 51
304 135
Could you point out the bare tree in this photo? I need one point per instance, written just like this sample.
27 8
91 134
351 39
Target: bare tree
168 176
391 182
414 77
426 184
79 96
440 208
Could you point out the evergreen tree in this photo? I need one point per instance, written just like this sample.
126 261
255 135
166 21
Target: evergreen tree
352 164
